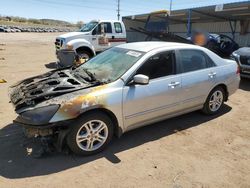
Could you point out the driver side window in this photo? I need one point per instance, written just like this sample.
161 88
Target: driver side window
159 65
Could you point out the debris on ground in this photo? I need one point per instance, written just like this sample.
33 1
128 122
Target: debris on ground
2 81
2 58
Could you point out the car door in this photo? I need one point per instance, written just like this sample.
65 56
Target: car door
198 76
161 96
98 39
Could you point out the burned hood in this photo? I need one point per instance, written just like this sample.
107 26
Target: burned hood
31 91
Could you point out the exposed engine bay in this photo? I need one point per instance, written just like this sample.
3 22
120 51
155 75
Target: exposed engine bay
43 87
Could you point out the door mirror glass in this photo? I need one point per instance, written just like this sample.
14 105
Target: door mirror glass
141 79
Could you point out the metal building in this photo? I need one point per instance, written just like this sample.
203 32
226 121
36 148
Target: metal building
232 19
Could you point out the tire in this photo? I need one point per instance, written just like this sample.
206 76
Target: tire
84 137
83 54
213 105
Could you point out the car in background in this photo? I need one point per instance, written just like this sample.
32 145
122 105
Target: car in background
94 37
120 89
242 57
220 44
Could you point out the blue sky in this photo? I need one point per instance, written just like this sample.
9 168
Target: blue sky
86 10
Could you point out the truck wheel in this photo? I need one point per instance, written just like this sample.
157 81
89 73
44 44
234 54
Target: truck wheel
215 101
83 55
91 134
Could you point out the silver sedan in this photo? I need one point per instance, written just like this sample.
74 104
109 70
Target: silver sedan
125 87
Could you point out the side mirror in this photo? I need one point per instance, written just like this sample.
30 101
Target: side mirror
141 79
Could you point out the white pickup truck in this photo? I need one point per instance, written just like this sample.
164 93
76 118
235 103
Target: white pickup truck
93 37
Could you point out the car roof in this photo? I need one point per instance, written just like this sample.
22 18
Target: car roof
148 46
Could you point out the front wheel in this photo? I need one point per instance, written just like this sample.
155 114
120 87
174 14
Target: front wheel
84 55
215 101
91 134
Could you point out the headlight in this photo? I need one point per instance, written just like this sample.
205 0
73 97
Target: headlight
235 54
69 47
38 116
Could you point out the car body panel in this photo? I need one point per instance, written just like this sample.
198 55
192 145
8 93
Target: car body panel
146 102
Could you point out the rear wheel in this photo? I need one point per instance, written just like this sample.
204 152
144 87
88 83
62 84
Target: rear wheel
215 101
91 134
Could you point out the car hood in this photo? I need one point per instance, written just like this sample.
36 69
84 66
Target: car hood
31 91
73 34
245 51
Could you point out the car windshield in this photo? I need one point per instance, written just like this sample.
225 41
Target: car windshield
88 27
109 65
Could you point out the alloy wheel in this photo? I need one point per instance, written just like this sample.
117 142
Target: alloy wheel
216 100
92 135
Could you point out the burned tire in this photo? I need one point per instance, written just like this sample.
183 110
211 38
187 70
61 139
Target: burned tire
215 101
91 134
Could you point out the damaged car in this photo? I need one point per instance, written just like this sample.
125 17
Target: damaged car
123 88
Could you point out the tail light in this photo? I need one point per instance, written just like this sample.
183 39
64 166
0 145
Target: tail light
238 70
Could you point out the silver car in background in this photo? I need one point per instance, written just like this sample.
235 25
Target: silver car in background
123 88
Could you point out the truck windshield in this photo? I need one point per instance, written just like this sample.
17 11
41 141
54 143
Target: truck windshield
111 64
88 27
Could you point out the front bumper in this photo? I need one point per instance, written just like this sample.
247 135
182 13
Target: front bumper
245 71
20 121
243 75
43 130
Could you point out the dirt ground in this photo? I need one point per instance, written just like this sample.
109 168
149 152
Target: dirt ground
192 150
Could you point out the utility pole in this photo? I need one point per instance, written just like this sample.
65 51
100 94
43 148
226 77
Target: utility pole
170 7
118 9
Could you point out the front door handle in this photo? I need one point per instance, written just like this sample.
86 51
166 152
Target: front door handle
173 84
212 74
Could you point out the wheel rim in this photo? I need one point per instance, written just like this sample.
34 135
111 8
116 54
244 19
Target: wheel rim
216 100
92 135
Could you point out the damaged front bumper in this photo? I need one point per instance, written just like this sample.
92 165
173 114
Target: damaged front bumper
42 130
51 132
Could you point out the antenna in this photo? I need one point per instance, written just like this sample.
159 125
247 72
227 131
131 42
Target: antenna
118 9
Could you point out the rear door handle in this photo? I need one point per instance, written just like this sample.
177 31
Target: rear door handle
173 84
212 74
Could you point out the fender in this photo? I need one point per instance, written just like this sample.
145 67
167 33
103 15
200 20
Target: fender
77 43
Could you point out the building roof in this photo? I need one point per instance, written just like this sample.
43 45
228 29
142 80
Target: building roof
216 13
